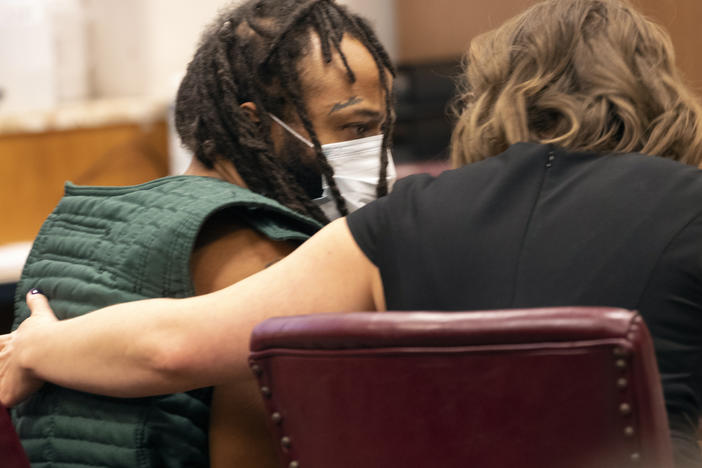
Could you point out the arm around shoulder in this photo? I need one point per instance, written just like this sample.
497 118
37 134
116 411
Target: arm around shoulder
152 347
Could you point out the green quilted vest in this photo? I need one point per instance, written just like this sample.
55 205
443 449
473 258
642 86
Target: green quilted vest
105 245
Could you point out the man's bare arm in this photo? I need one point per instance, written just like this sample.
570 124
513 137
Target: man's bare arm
227 252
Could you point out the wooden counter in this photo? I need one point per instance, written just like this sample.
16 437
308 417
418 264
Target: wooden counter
36 162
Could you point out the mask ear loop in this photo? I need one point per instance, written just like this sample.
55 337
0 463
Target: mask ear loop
291 130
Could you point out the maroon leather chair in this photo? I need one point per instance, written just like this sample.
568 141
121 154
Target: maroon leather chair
546 388
11 452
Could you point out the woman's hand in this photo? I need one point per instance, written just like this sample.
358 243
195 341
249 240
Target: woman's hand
16 381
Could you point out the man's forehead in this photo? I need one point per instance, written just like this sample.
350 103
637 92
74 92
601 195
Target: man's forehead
313 68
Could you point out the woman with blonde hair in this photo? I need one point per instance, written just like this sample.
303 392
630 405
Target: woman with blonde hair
580 74
580 145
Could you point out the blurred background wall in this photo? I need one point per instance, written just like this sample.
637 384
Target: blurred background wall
432 36
86 87
157 38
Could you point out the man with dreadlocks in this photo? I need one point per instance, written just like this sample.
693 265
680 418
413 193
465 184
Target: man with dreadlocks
282 99
333 98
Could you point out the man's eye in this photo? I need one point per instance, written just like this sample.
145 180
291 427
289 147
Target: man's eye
360 129
357 130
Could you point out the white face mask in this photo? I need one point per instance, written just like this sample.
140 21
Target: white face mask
356 165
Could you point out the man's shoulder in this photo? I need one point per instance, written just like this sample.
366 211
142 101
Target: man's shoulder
228 250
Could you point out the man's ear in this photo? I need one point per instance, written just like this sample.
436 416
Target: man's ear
251 111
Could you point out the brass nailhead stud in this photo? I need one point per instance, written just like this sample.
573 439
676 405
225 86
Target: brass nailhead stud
628 431
285 442
266 392
294 464
622 382
620 352
256 369
625 408
620 363
635 457
277 417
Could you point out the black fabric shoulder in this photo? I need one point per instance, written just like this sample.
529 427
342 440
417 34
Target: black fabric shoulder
372 224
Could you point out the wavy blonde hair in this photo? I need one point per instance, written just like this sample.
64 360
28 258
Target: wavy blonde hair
586 75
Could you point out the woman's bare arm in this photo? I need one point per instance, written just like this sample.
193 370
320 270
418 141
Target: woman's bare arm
154 346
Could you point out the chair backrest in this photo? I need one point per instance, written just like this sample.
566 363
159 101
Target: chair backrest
546 388
11 452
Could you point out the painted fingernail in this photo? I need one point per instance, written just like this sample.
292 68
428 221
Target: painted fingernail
35 291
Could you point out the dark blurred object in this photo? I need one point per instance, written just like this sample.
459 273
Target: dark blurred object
7 297
431 167
11 452
424 123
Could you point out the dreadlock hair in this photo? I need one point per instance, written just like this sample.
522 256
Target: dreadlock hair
251 54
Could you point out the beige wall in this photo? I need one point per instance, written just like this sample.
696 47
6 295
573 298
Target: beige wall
382 15
683 20
141 47
436 30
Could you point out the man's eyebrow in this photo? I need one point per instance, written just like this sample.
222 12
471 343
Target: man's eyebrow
365 112
343 105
